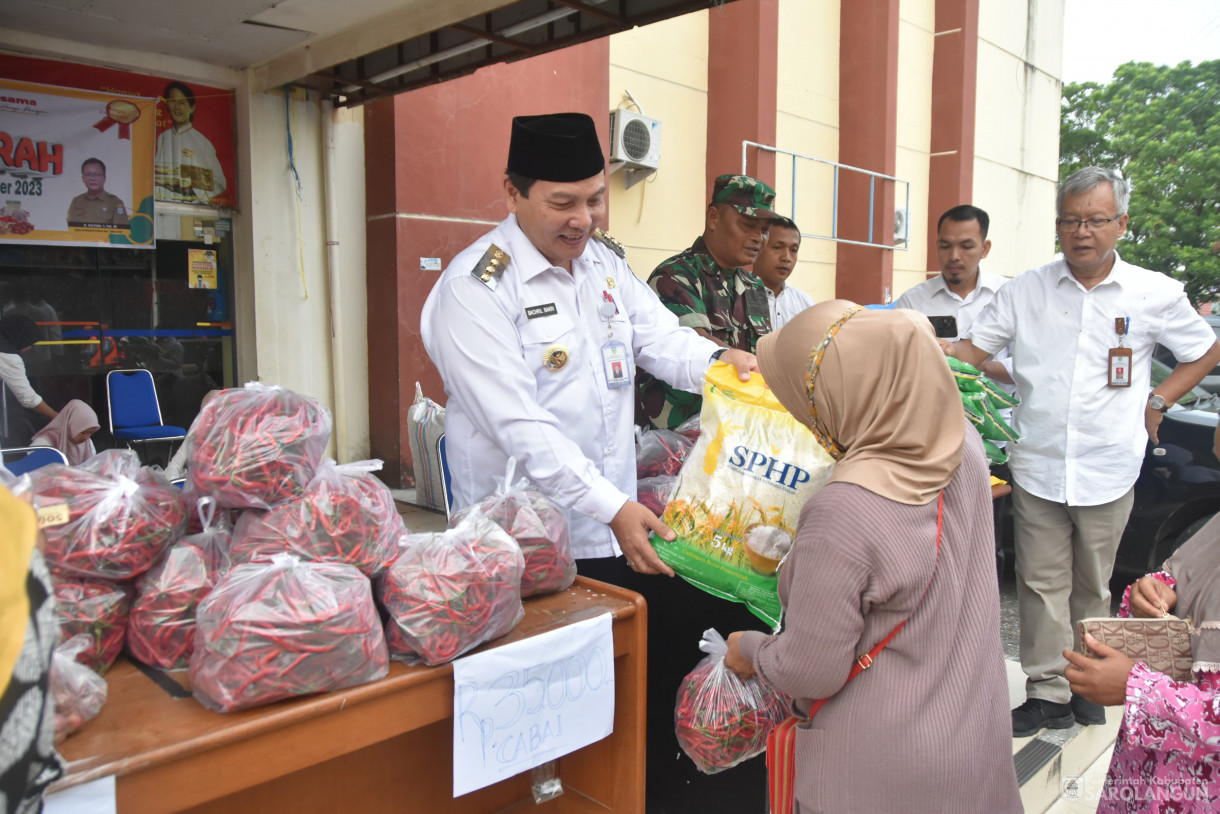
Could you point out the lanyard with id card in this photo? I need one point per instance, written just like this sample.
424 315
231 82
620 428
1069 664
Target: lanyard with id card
616 364
1120 357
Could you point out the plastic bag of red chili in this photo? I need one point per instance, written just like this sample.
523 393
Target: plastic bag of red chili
689 429
79 692
257 446
161 627
121 516
450 592
654 493
538 525
345 515
660 453
97 609
270 631
720 719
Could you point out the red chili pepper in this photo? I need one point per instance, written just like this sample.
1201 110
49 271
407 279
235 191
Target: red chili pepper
97 608
161 630
269 631
661 453
449 593
256 447
121 518
341 517
541 530
721 720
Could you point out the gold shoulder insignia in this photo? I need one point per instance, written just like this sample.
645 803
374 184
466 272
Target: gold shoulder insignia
610 243
490 266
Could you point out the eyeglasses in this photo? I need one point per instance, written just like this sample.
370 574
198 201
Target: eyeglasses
1093 224
94 174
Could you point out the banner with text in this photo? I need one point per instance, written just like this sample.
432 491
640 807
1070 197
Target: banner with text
75 166
195 154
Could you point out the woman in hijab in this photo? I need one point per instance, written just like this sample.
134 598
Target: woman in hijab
70 432
1167 755
925 727
18 333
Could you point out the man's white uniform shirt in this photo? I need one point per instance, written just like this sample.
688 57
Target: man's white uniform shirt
572 435
790 302
1082 442
934 298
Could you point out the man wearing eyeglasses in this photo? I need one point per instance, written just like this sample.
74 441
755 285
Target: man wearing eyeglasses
95 206
1082 330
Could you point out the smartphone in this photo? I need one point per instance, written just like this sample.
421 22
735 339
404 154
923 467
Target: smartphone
945 327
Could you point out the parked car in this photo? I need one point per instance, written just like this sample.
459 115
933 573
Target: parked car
1177 492
1211 382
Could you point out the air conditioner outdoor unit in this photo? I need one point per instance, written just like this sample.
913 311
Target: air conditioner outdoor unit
900 225
635 140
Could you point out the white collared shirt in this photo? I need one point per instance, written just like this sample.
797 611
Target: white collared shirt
934 298
12 373
571 434
1082 442
788 303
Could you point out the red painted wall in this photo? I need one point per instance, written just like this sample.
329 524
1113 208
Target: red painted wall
955 59
868 138
743 60
447 146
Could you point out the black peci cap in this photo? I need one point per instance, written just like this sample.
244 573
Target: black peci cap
555 147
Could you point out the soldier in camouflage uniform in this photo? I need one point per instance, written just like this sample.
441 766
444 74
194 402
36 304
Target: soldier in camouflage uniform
709 290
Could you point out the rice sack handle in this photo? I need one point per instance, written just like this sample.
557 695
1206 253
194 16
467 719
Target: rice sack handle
739 494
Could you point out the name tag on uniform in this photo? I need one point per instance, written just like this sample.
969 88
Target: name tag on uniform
1120 367
617 365
545 310
1120 357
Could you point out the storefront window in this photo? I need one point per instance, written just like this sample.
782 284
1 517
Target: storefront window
168 310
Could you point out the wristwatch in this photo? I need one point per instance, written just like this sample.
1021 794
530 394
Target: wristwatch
1157 402
717 354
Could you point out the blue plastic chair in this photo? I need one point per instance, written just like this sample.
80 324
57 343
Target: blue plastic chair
27 459
135 413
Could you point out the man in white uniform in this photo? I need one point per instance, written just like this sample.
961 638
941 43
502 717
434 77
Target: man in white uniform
1082 330
962 289
526 325
539 332
774 265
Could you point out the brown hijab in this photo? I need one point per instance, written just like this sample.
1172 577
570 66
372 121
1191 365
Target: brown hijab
882 394
1196 568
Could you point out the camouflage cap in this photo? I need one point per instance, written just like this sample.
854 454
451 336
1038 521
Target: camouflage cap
747 195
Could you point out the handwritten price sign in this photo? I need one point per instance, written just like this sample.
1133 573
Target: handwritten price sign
523 704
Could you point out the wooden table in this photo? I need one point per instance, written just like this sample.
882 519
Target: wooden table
385 746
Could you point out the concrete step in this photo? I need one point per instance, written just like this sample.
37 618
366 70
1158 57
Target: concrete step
1061 770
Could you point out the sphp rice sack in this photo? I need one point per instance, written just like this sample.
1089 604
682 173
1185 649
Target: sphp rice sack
753 468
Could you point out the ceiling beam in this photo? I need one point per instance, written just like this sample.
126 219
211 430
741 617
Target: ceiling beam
414 18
